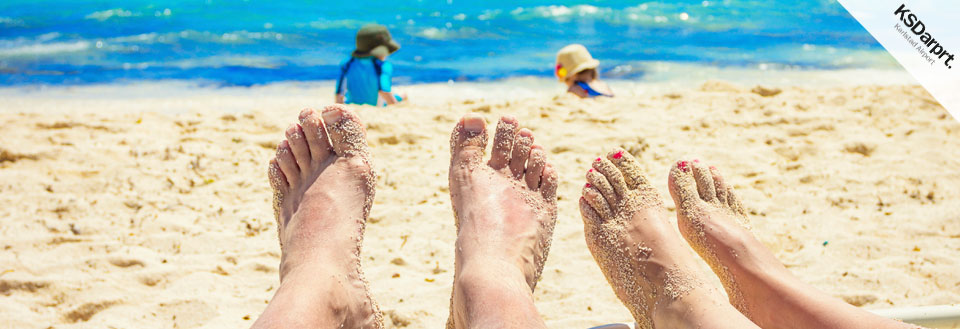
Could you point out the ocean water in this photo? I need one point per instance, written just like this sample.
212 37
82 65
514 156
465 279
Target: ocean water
242 43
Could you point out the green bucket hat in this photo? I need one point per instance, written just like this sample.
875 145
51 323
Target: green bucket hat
374 39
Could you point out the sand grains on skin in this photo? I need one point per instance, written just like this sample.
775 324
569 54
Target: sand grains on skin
697 191
324 185
504 209
624 223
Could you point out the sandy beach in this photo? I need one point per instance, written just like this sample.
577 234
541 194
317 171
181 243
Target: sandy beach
129 207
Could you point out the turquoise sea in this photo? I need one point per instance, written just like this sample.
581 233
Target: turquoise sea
242 43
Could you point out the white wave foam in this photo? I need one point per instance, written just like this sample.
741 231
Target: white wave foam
661 15
45 49
11 22
339 24
445 33
110 13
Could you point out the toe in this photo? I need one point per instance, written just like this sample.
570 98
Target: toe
288 165
733 200
705 185
629 167
316 135
548 183
299 148
682 187
598 203
521 151
535 164
277 181
346 131
503 142
597 181
613 175
591 218
719 186
468 141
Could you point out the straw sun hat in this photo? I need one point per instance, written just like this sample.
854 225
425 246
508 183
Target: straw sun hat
573 59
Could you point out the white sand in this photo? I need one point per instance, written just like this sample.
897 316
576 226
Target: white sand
145 207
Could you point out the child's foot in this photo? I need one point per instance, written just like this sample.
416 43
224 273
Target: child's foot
712 220
322 196
505 212
642 256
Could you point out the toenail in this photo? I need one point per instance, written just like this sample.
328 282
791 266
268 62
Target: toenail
587 185
696 160
473 123
332 116
683 165
713 168
618 155
598 159
591 170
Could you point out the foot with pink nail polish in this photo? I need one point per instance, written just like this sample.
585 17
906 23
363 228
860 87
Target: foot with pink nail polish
643 258
714 222
323 187
505 211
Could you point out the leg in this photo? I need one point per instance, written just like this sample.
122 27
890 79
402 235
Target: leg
505 212
644 259
712 220
323 188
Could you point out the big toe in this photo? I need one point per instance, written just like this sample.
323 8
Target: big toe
629 167
468 141
682 185
346 131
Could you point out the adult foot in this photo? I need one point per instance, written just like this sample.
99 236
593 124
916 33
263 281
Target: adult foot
323 187
505 212
713 220
643 258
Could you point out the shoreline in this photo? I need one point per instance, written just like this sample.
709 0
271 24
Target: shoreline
659 78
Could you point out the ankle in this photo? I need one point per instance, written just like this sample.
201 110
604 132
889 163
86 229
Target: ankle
487 268
480 290
697 308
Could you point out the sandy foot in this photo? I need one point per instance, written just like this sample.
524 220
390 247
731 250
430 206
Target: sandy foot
713 220
323 188
505 213
641 255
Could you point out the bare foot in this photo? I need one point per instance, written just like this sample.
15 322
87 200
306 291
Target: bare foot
323 189
712 219
505 212
642 256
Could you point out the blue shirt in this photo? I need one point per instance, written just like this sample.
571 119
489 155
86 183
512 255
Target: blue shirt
360 82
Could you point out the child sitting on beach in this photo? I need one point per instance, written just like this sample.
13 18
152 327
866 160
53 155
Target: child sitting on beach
365 77
576 68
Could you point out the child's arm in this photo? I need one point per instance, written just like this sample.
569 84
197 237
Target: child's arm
386 76
389 98
576 90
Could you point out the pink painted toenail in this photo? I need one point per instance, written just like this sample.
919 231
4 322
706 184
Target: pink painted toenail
683 165
598 159
696 160
712 167
591 170
587 185
618 155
